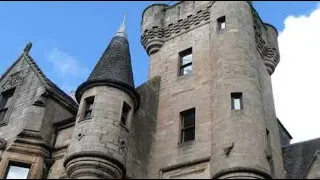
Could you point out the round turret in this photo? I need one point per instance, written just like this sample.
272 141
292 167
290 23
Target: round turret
108 99
152 37
238 131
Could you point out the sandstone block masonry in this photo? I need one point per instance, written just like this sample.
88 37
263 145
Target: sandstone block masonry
206 110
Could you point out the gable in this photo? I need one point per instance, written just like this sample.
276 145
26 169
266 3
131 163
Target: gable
25 64
12 76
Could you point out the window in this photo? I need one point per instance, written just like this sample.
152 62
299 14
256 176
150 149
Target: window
185 62
187 125
88 107
236 101
6 100
17 170
125 112
221 23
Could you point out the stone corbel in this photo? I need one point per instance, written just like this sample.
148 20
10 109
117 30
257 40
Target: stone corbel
228 149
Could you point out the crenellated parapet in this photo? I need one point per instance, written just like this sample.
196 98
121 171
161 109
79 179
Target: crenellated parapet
153 39
191 21
162 22
153 28
266 43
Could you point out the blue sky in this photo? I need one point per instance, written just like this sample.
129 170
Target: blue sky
73 35
69 37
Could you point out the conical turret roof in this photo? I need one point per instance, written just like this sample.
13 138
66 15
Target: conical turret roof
114 66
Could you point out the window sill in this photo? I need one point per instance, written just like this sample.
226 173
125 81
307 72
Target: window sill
221 31
186 144
84 119
180 77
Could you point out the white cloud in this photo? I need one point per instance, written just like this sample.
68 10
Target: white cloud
65 64
296 81
67 68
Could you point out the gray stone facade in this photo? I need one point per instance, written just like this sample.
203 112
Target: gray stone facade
117 131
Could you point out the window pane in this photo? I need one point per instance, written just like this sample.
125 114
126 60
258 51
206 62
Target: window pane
87 114
223 25
236 104
189 119
8 102
186 59
90 106
16 172
2 114
3 102
187 70
125 111
7 98
188 134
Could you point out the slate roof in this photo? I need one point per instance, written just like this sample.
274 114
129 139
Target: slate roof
47 83
115 63
113 68
298 157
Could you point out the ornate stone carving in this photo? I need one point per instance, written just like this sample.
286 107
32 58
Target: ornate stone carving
13 80
27 48
3 144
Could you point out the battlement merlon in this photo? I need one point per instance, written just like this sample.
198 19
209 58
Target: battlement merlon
161 22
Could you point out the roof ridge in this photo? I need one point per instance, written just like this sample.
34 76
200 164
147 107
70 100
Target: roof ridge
310 163
49 85
303 142
46 82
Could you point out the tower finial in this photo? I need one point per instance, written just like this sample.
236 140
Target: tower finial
27 48
122 29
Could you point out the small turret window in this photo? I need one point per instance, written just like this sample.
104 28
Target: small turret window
125 113
185 62
236 101
221 23
187 125
5 102
88 107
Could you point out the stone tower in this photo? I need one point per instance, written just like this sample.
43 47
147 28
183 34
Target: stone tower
215 59
107 101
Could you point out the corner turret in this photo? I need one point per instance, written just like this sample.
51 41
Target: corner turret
107 100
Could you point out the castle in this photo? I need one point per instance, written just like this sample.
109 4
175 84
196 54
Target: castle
206 110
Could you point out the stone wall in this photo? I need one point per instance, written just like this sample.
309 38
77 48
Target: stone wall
142 133
240 58
179 93
24 96
29 130
63 133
